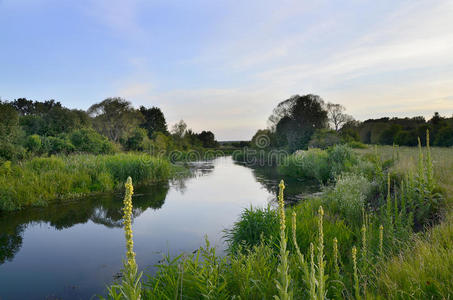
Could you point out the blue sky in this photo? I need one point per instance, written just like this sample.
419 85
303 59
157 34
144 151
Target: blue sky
224 65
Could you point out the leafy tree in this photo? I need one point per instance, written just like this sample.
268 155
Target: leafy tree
10 133
179 129
115 118
296 119
388 135
263 139
154 120
207 139
138 140
336 115
444 137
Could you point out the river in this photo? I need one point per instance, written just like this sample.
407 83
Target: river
72 250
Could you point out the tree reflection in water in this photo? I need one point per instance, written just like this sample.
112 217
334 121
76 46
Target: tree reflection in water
103 209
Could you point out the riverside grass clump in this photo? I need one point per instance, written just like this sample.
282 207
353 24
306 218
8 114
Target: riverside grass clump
322 165
316 252
26 183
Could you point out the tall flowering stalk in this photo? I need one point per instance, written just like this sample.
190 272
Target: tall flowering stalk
321 263
284 277
130 287
127 220
356 276
381 241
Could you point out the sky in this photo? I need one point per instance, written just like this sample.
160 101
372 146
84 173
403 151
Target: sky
224 65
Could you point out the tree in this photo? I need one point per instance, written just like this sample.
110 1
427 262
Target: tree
154 120
295 120
115 118
179 129
336 115
207 139
10 133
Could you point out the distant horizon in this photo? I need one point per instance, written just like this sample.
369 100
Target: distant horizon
224 66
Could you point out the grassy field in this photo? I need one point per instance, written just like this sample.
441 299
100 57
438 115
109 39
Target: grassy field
38 181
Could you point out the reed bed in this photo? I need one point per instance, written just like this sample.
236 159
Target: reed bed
27 183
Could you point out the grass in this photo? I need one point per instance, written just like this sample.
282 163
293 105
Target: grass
38 181
367 236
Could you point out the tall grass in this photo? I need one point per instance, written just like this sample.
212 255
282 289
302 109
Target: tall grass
322 165
27 183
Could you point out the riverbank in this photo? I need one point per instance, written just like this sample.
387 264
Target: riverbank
39 181
376 212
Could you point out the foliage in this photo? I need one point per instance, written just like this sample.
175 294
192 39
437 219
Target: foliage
115 118
318 164
423 270
154 120
348 197
254 225
26 184
89 141
401 131
295 120
324 138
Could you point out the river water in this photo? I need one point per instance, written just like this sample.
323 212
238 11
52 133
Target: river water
72 250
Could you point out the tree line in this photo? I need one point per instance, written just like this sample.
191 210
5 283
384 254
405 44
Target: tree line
301 122
29 128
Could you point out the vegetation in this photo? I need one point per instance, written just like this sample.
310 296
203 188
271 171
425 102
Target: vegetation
26 183
32 128
401 131
369 242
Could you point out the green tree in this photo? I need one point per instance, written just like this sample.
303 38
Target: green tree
154 120
115 118
296 119
10 133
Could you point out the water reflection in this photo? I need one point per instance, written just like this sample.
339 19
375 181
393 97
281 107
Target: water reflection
101 209
295 189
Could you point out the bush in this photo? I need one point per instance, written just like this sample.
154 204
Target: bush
254 225
349 196
309 164
90 141
138 141
341 158
55 145
324 138
33 143
319 164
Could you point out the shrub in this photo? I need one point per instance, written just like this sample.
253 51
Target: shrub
348 197
312 163
90 141
324 138
254 224
33 143
55 145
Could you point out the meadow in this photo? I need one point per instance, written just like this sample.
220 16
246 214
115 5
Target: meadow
382 229
41 180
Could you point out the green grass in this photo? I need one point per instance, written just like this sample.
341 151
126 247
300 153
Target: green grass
38 181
